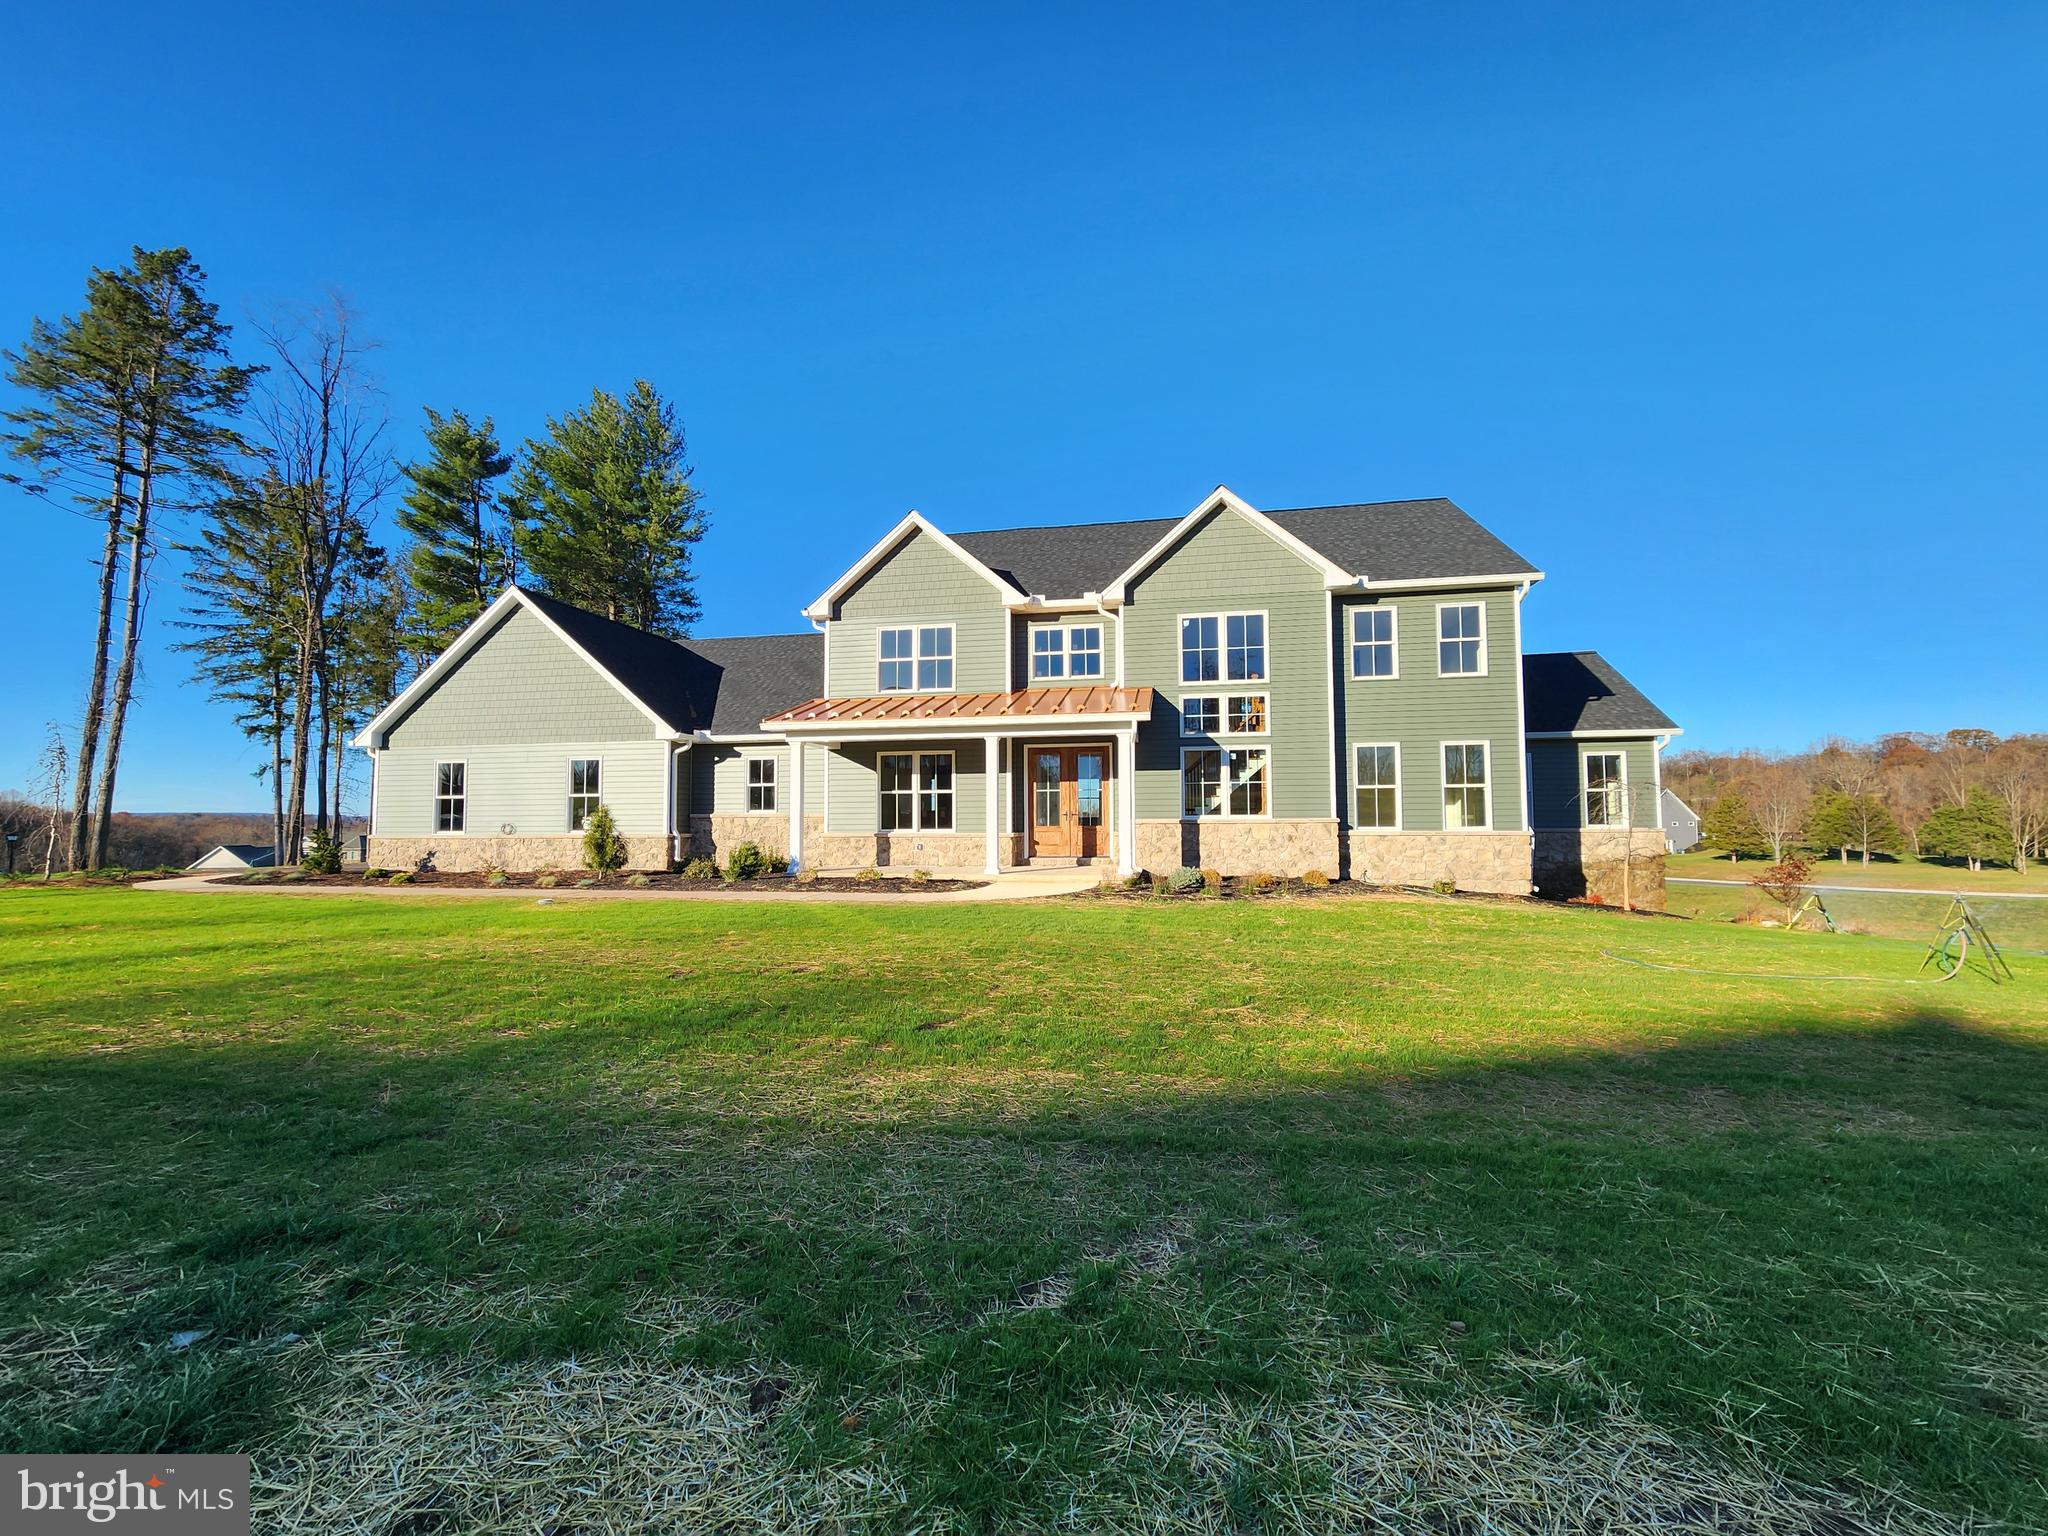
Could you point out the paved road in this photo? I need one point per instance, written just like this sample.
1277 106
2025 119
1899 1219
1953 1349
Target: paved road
1878 890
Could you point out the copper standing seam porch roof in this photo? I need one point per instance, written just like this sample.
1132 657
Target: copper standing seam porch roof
1024 704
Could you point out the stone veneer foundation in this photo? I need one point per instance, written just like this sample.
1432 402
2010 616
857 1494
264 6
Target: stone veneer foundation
524 854
1239 847
1496 863
1587 863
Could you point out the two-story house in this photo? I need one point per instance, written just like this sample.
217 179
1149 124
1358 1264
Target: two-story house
1335 688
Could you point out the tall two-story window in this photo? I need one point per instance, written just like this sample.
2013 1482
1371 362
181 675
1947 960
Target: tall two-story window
1372 642
451 796
583 790
1377 769
1224 781
1460 639
1606 797
915 659
916 791
1223 647
1465 785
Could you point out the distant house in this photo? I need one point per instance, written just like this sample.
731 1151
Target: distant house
1332 688
236 856
1681 824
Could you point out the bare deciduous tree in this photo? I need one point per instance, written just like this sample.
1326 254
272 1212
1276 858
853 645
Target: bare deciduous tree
2016 774
1778 797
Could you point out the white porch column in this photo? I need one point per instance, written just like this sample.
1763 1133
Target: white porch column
1127 802
796 802
992 799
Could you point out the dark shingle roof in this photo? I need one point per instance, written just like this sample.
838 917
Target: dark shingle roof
1580 691
1384 540
726 686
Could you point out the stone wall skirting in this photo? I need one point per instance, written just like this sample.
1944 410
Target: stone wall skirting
1239 847
713 837
464 853
1493 862
1586 863
900 851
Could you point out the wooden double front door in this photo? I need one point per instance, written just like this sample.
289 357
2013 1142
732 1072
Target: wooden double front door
1067 789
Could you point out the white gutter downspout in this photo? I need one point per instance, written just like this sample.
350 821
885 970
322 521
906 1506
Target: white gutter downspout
675 830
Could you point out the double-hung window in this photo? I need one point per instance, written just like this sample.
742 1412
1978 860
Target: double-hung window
1048 651
1460 639
1372 642
916 792
1059 650
451 796
1223 647
584 790
915 659
1377 773
1606 791
1465 786
1084 651
1223 781
761 782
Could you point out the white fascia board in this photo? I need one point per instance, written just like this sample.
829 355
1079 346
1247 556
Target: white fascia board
1629 732
371 735
1220 499
915 522
1087 602
1444 583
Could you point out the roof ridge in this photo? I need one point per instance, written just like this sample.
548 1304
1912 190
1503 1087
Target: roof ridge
1126 522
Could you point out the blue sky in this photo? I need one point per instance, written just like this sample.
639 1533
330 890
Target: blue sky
1729 317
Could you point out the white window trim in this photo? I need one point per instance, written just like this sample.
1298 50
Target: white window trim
1101 652
917 793
1485 646
1223 732
1443 786
1059 632
1586 792
1352 643
1241 745
914 625
435 797
1222 616
1357 784
774 780
569 799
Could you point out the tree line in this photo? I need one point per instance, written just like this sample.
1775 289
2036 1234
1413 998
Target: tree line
270 478
1967 794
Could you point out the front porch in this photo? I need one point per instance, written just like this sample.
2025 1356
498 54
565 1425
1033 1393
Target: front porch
1039 778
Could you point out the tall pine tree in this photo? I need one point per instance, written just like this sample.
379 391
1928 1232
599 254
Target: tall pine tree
461 554
1731 827
604 515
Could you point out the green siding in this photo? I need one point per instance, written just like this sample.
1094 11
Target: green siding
1020 647
718 780
921 583
1555 780
1419 711
520 684
1227 566
524 786
852 777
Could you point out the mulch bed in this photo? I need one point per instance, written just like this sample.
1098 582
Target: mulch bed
1233 888
566 879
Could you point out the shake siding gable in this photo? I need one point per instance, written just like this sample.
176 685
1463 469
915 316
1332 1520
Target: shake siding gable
1421 711
1225 565
1557 772
520 684
920 583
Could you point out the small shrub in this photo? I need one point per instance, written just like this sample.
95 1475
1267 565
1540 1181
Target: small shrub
294 877
774 864
1445 887
1259 882
1183 880
546 882
488 868
869 876
700 869
1138 881
746 862
920 877
497 877
807 877
1159 885
262 874
323 855
376 874
586 882
603 849
1314 879
402 877
638 882
1213 879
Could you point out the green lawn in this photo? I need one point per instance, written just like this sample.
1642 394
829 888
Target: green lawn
1339 1215
2015 924
1907 871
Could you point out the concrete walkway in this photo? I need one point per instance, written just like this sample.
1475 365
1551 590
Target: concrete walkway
1016 885
1876 890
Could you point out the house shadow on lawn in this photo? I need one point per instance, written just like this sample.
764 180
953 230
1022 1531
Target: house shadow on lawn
1818 1241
